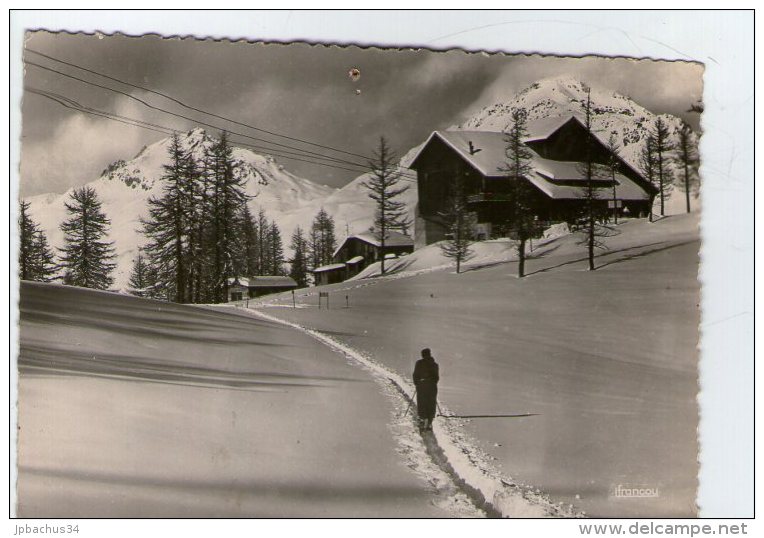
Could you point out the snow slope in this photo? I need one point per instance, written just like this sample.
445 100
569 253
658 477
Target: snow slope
606 359
431 258
450 450
136 408
558 241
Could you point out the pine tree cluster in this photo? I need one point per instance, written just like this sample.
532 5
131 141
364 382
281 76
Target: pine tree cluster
322 241
201 232
85 259
36 260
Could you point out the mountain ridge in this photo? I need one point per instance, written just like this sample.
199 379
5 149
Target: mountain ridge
125 186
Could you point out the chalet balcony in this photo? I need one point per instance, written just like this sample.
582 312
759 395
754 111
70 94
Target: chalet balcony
489 197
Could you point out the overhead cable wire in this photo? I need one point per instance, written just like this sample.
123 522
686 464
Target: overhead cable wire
308 153
196 109
159 109
73 105
191 107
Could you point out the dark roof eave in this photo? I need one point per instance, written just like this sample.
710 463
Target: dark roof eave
642 182
448 144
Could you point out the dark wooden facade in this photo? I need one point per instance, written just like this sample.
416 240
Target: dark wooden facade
439 166
355 246
240 288
237 291
330 274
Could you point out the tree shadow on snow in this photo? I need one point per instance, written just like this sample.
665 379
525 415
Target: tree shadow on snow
647 252
598 256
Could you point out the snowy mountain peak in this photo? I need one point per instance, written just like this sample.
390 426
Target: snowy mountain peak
125 186
552 97
563 88
197 132
612 112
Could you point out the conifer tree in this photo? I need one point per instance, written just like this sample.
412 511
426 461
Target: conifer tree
460 224
36 260
647 165
687 163
27 231
168 224
518 168
276 251
194 197
662 148
201 246
299 262
323 241
314 247
86 256
383 185
591 200
226 200
143 281
263 259
613 164
43 261
250 248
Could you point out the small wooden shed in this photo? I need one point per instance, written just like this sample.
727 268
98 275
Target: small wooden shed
237 290
330 274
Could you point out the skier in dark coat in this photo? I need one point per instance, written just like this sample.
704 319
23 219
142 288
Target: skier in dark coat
426 377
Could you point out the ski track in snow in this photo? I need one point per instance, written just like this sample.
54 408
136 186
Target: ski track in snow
459 474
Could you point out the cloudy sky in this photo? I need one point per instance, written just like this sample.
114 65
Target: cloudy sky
300 90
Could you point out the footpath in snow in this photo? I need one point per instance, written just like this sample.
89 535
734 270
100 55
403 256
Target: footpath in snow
449 451
130 407
606 361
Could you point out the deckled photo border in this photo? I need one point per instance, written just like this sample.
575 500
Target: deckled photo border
726 368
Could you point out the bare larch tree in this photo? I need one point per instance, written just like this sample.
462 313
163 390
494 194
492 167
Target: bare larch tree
384 187
460 224
687 162
518 168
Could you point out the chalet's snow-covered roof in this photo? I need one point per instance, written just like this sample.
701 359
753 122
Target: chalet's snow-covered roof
490 149
393 239
354 260
625 188
264 281
543 128
491 145
271 281
330 267
548 174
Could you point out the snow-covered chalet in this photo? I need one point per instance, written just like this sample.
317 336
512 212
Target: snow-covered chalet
360 250
240 288
478 158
